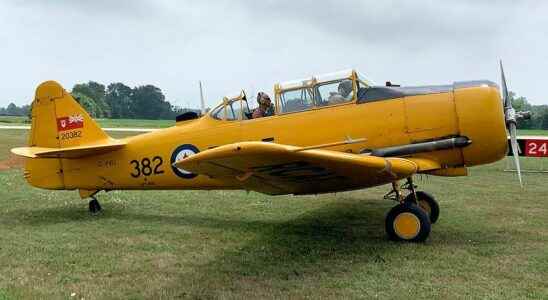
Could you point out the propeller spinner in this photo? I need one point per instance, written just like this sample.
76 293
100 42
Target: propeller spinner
511 122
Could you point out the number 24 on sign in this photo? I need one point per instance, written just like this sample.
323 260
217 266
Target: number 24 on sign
537 148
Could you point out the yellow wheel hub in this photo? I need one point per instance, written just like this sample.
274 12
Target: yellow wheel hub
425 206
407 225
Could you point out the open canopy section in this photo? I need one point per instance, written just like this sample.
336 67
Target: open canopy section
234 107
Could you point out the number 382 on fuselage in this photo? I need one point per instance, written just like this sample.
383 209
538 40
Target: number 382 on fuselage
316 141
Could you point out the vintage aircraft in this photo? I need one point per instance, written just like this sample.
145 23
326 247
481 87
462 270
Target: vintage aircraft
370 136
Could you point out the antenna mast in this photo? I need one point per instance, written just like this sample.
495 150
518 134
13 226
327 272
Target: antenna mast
202 98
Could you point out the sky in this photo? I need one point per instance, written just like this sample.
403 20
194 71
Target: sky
251 45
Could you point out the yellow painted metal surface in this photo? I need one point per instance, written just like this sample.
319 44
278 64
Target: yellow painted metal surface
103 146
424 164
480 114
282 169
441 123
407 226
425 206
86 193
62 128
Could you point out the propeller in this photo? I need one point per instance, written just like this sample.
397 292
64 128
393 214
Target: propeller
511 122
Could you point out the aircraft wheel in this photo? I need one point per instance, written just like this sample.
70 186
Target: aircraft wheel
428 203
407 222
94 206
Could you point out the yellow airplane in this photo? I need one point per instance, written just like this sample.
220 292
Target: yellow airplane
330 133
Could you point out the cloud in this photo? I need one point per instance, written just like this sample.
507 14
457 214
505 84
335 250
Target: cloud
253 44
95 8
416 23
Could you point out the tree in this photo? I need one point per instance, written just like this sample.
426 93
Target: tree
26 110
521 104
13 110
96 92
88 104
148 102
119 99
543 117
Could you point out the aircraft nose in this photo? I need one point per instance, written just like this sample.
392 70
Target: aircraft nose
481 119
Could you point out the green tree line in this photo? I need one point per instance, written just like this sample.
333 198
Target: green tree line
116 101
14 110
119 101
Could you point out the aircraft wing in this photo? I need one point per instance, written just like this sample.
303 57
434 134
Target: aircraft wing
282 169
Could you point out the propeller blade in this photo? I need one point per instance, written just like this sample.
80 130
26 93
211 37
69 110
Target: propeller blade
515 149
511 122
505 98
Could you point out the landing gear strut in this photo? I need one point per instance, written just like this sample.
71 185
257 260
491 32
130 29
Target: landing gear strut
94 206
411 219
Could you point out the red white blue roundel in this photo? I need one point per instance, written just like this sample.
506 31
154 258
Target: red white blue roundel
182 152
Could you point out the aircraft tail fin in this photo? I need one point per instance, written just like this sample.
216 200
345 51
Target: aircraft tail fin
58 121
60 129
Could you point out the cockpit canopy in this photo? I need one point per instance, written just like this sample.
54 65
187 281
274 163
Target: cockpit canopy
232 108
300 95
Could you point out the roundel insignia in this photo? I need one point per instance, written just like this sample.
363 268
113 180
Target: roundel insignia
181 152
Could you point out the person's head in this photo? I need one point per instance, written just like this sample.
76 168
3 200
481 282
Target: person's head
345 88
263 100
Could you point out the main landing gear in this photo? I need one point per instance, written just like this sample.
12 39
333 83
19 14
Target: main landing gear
94 206
411 219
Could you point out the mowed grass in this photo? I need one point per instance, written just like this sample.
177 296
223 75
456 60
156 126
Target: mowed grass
532 132
9 139
105 123
491 242
11 120
137 123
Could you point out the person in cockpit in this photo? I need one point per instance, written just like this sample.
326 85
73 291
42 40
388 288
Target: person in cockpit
265 108
344 93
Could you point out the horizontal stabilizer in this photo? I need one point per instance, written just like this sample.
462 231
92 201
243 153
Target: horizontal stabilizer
70 152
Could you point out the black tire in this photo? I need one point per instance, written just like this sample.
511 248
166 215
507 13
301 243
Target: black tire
405 216
94 206
428 203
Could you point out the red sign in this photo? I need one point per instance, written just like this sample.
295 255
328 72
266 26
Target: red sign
538 148
69 123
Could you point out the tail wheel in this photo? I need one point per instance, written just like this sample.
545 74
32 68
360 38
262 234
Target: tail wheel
407 222
94 206
428 203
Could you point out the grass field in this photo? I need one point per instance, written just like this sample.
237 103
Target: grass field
116 123
8 120
532 132
491 242
105 123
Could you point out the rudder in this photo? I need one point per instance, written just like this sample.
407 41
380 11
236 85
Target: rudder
58 121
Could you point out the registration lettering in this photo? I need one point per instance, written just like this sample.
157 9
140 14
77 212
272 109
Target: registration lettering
71 135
